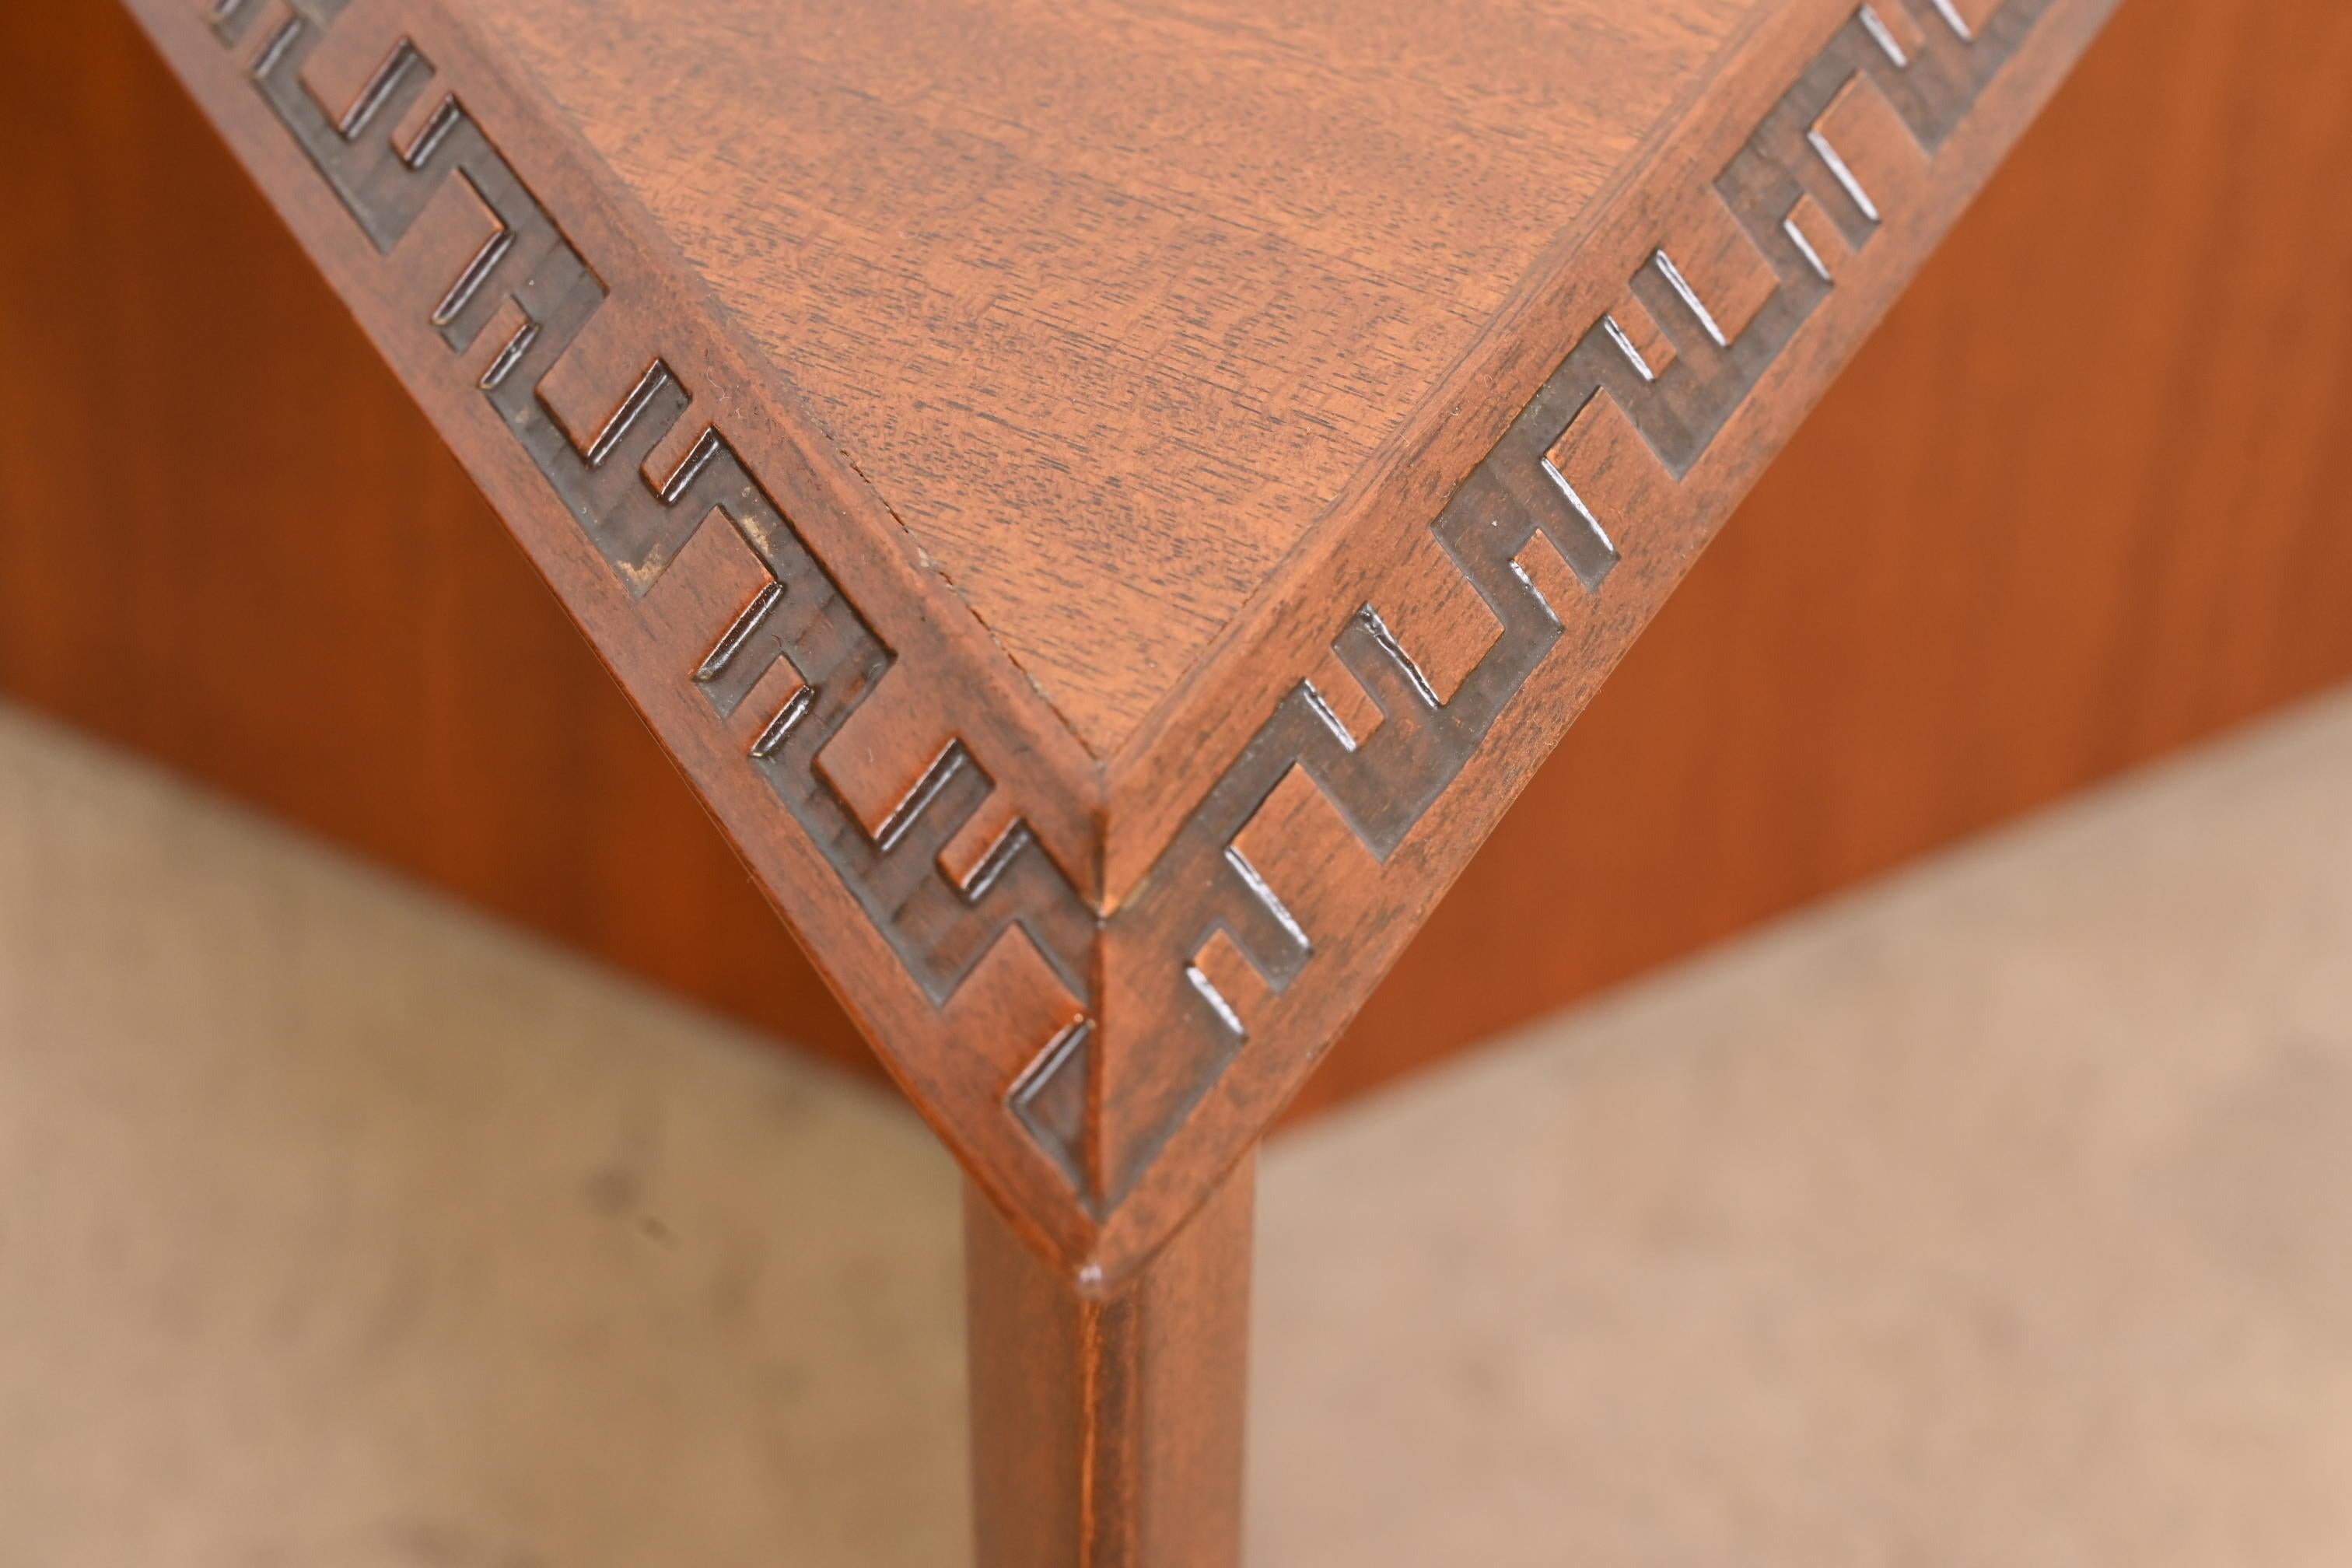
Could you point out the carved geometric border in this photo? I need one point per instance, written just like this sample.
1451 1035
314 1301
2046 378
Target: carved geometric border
1799 192
940 926
1670 363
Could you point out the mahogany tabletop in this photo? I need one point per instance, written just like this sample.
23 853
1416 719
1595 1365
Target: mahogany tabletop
1107 500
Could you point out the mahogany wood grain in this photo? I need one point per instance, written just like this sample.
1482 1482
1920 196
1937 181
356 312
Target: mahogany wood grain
2083 498
1665 451
229 539
1107 1434
1102 977
1741 760
1107 506
1229 246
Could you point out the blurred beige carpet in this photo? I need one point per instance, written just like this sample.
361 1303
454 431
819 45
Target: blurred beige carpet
2001 1215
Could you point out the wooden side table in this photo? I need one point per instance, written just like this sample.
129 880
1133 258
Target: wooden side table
1107 504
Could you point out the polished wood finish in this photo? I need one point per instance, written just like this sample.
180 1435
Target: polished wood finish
1107 508
1201 913
1107 1432
1740 761
1184 225
2083 498
307 623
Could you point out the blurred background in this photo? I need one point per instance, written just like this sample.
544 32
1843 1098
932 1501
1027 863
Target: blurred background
1882 1098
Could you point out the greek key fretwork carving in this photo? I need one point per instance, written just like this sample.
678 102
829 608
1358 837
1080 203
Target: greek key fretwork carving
526 270
1639 399
1798 191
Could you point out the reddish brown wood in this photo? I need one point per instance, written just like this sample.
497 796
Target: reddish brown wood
1108 510
1741 760
2081 501
284 584
1342 903
551 427
1183 224
649 333
1107 1432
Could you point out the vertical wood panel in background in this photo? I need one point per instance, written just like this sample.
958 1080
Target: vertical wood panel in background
190 412
2084 498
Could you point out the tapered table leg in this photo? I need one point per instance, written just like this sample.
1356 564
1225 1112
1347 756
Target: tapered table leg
1109 1434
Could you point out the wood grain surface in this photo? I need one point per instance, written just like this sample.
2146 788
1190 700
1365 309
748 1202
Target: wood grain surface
1400 729
1040 341
1743 758
1111 301
673 495
1109 1434
896 781
287 585
2082 500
